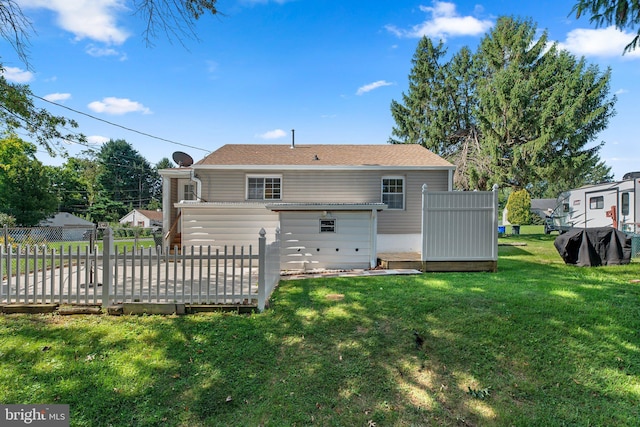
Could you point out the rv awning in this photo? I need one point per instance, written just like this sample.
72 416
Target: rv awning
277 207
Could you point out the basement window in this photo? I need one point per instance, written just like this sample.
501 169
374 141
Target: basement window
327 225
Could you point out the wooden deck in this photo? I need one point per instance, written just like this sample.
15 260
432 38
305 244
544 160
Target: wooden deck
404 260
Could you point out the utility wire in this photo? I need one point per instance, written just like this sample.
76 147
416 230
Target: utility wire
120 126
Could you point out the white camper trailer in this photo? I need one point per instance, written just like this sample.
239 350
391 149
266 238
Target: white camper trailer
612 204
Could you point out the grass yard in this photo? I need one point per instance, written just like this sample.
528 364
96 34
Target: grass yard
538 343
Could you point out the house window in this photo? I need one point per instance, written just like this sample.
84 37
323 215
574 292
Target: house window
189 192
327 225
625 204
264 188
393 192
596 202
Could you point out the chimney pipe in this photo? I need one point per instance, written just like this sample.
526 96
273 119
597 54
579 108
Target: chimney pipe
293 138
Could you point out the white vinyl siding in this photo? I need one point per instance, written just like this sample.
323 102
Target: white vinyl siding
304 246
233 225
339 186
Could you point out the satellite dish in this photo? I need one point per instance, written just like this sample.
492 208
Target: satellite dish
182 159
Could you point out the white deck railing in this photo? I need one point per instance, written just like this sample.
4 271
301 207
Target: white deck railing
194 275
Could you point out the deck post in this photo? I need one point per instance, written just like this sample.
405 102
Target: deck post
495 222
423 230
107 276
262 267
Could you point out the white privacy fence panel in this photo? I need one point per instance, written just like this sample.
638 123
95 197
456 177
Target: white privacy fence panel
269 274
460 225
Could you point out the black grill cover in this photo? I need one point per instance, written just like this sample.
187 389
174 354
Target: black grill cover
588 247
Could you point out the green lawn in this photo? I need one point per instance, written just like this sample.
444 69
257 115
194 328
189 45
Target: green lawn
538 343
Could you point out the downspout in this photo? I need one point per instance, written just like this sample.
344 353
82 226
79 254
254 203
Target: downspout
198 185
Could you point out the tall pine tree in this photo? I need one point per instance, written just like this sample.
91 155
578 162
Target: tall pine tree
518 112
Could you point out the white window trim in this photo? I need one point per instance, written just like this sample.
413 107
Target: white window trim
404 190
246 185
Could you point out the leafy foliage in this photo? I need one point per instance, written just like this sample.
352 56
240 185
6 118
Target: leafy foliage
7 220
519 207
17 112
25 188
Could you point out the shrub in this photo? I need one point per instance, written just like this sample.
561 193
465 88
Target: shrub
519 207
8 220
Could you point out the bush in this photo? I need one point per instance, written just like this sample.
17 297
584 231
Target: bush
8 220
519 208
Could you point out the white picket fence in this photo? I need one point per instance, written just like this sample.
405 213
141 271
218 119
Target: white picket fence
196 275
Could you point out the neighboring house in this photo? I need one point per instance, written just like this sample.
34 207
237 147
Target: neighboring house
143 218
65 219
336 206
68 227
543 207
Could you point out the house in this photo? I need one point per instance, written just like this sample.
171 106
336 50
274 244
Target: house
143 218
336 206
64 226
543 207
65 219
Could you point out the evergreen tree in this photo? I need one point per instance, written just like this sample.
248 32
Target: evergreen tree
518 112
539 109
417 117
124 175
519 207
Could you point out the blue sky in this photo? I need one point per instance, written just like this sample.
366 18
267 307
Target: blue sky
328 69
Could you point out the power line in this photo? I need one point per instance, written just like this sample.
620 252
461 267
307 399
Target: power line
120 126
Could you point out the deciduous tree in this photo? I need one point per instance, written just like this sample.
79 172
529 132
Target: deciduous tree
25 187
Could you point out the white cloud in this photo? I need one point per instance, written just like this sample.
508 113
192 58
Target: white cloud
444 22
254 2
92 19
98 51
57 97
17 75
371 86
97 139
621 91
272 134
604 42
117 106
